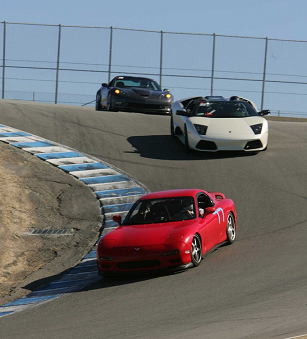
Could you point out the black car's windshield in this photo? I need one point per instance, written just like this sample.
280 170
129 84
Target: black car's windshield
225 109
161 210
129 82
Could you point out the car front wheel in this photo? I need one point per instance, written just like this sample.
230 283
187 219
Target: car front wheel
231 229
98 105
186 140
196 251
109 107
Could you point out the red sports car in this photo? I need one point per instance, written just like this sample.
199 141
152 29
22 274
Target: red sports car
167 230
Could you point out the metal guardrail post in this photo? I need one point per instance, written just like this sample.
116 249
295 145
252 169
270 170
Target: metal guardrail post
3 63
264 71
110 53
213 63
161 58
58 66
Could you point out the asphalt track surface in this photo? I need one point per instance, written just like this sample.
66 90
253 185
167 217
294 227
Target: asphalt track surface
255 288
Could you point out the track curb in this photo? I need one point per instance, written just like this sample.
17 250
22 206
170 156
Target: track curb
115 190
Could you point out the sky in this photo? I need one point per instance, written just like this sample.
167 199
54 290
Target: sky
276 19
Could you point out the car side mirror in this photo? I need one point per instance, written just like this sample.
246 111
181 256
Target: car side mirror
209 210
104 84
166 90
264 112
117 219
183 113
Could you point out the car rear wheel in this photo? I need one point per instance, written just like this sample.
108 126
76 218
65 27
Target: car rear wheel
196 252
231 229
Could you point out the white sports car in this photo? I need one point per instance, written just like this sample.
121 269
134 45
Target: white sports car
214 123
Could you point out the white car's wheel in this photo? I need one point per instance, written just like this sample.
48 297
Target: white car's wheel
186 140
172 127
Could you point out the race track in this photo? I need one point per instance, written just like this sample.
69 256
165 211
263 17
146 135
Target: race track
255 288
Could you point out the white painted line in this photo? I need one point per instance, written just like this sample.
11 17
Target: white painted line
71 161
113 185
14 308
15 139
299 336
52 149
93 173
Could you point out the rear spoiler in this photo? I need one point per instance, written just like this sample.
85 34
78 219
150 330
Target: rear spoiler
218 195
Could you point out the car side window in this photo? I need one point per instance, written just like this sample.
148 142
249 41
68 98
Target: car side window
204 201
190 106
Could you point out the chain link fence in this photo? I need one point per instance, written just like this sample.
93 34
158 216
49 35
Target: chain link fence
66 64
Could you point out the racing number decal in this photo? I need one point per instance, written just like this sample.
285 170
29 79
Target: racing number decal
217 212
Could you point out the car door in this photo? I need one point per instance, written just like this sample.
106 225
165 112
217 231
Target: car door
211 224
182 120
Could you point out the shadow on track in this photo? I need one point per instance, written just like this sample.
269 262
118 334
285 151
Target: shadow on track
107 282
99 283
163 147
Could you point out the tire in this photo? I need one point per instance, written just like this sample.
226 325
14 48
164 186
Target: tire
196 250
172 128
231 229
109 107
98 105
186 140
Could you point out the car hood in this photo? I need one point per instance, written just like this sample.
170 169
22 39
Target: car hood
149 234
227 126
143 92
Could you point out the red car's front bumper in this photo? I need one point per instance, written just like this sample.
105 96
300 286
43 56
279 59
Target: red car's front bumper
141 259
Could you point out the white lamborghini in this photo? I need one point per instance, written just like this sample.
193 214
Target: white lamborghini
214 123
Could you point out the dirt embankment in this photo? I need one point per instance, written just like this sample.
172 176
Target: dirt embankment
37 195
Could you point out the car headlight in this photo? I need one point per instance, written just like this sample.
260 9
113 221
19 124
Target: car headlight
108 243
165 96
201 129
256 128
120 92
173 238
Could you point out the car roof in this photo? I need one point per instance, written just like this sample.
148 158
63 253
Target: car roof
172 193
131 77
212 98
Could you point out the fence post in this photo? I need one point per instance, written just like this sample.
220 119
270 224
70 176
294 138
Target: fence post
161 58
264 71
110 53
213 62
58 66
3 62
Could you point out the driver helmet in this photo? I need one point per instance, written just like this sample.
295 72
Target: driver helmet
187 205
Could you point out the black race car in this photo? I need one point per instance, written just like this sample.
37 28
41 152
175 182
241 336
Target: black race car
135 94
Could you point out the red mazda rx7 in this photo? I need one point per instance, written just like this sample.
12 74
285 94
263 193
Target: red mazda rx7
167 230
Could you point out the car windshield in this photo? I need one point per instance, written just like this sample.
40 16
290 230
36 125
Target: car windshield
131 82
161 211
225 109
